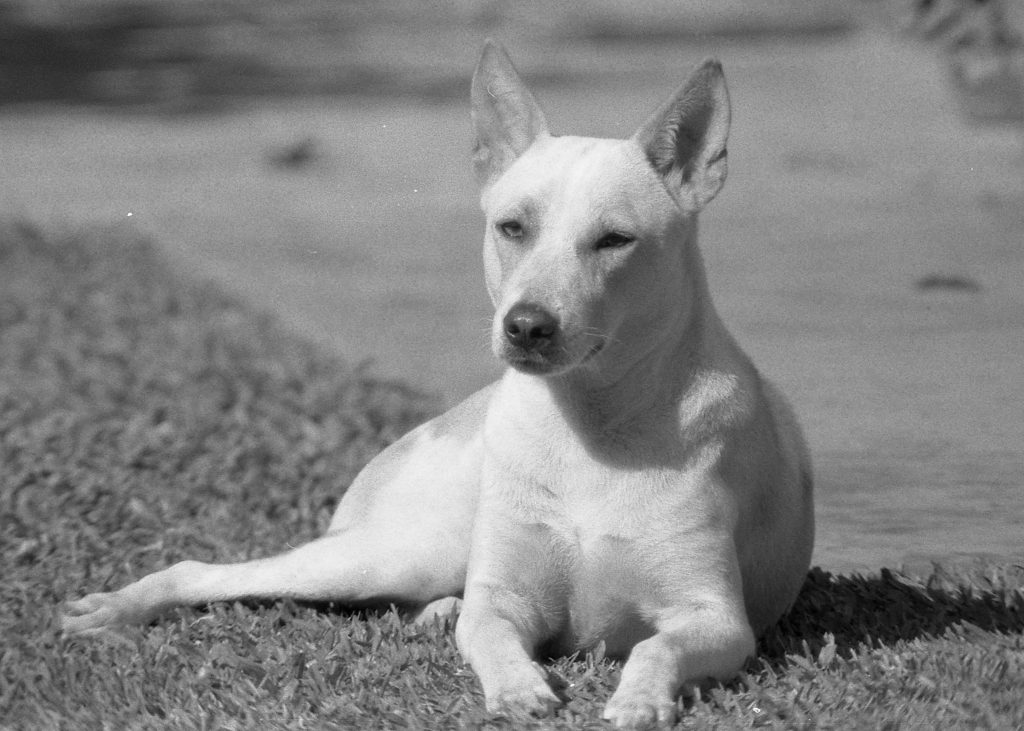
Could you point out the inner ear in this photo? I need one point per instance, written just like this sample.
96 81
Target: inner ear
690 141
685 141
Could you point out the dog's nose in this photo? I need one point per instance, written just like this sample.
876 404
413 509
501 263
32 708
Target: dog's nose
530 326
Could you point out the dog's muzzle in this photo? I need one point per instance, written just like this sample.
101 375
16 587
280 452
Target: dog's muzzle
530 328
532 336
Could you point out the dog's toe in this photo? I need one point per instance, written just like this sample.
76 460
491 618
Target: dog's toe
525 694
638 713
90 614
536 702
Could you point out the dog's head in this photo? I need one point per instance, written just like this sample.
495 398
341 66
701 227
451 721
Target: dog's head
589 251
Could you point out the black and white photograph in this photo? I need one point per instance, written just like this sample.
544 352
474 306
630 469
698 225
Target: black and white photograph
482 364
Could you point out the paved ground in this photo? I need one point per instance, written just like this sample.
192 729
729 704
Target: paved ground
853 176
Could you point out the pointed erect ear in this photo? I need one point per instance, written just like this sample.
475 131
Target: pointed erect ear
685 140
506 117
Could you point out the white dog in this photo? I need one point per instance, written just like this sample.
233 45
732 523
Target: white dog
631 480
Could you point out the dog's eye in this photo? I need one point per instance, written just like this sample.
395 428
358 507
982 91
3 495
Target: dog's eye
511 229
614 240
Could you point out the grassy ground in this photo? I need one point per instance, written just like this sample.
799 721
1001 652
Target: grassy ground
145 418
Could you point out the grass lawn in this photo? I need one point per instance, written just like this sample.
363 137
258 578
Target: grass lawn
146 418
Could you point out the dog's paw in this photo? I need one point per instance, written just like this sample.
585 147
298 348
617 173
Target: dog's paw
639 711
444 610
95 613
527 695
536 702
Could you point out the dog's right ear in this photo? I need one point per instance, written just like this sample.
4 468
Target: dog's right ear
506 117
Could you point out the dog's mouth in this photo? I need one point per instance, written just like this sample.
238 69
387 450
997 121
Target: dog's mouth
531 364
548 361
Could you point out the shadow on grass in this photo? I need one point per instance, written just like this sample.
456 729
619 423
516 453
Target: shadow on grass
859 611
891 607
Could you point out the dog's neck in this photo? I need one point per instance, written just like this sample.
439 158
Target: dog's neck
649 383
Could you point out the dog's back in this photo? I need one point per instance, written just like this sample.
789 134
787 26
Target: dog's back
775 551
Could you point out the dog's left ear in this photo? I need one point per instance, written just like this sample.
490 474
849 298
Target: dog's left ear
685 140
506 117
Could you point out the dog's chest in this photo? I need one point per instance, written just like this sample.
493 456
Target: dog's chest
605 520
596 526
608 593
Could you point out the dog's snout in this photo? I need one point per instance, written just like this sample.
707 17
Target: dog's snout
530 326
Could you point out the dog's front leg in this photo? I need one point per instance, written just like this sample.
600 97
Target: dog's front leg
705 634
498 641
507 612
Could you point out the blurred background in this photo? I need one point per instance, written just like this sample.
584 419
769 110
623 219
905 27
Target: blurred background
313 157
